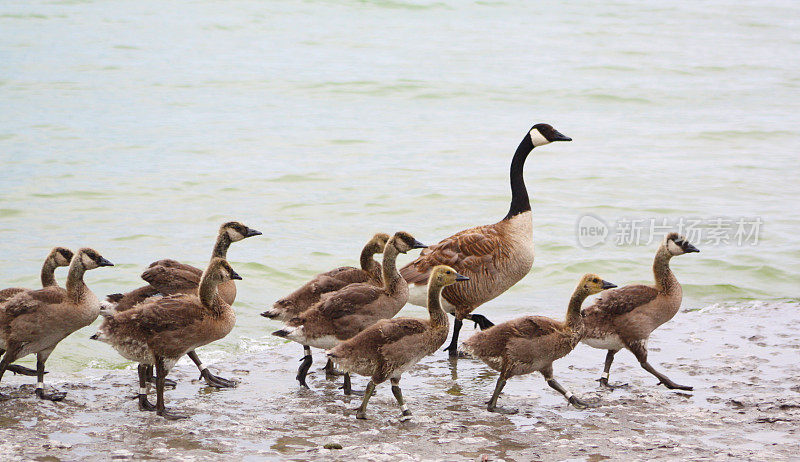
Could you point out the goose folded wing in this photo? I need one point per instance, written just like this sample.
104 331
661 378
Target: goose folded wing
625 299
469 252
172 277
166 314
30 301
348 300
532 327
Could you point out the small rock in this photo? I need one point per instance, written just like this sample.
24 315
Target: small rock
332 446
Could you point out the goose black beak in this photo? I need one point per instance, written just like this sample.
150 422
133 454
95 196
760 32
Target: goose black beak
608 285
558 136
235 275
689 248
252 232
461 277
418 245
104 262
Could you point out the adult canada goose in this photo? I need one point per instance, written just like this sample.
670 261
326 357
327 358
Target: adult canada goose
390 347
310 293
169 277
58 256
625 317
34 321
344 313
533 343
494 257
159 332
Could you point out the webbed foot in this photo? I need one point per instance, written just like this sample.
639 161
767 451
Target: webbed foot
217 382
52 396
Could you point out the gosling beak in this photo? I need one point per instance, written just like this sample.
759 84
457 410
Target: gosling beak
689 248
418 245
558 136
94 337
252 232
461 277
104 262
235 275
608 285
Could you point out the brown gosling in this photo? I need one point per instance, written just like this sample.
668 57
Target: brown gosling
158 332
35 321
494 257
169 277
58 256
392 346
330 281
342 314
532 343
625 317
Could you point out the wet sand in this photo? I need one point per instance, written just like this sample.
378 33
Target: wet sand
741 359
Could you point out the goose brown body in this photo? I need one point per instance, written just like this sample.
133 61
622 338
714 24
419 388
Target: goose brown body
169 277
330 281
58 256
35 321
343 314
532 343
625 317
160 331
390 347
494 257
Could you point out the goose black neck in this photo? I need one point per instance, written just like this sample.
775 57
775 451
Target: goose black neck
519 194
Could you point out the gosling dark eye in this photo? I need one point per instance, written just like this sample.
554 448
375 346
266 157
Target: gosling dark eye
594 280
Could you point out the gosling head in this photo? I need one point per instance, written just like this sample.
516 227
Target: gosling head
378 242
443 276
542 134
404 242
594 284
236 231
60 256
90 259
678 245
220 270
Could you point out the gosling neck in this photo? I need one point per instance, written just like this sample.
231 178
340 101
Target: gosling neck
519 193
437 314
48 275
221 246
76 288
391 277
209 296
574 318
665 280
368 263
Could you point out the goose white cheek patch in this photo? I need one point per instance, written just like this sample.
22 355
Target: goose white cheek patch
537 138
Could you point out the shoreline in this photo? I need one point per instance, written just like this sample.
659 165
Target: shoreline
746 405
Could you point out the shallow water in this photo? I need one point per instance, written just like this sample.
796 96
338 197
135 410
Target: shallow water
138 127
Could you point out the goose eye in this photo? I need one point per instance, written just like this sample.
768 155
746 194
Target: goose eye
594 280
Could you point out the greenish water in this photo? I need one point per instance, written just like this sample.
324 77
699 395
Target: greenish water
137 128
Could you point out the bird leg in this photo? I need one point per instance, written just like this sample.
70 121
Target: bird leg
4 363
362 411
547 372
639 349
305 365
330 369
54 396
604 378
452 349
22 370
348 388
144 404
161 374
151 377
211 379
398 395
492 404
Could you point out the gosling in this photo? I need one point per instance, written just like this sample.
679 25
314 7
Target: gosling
533 343
392 346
